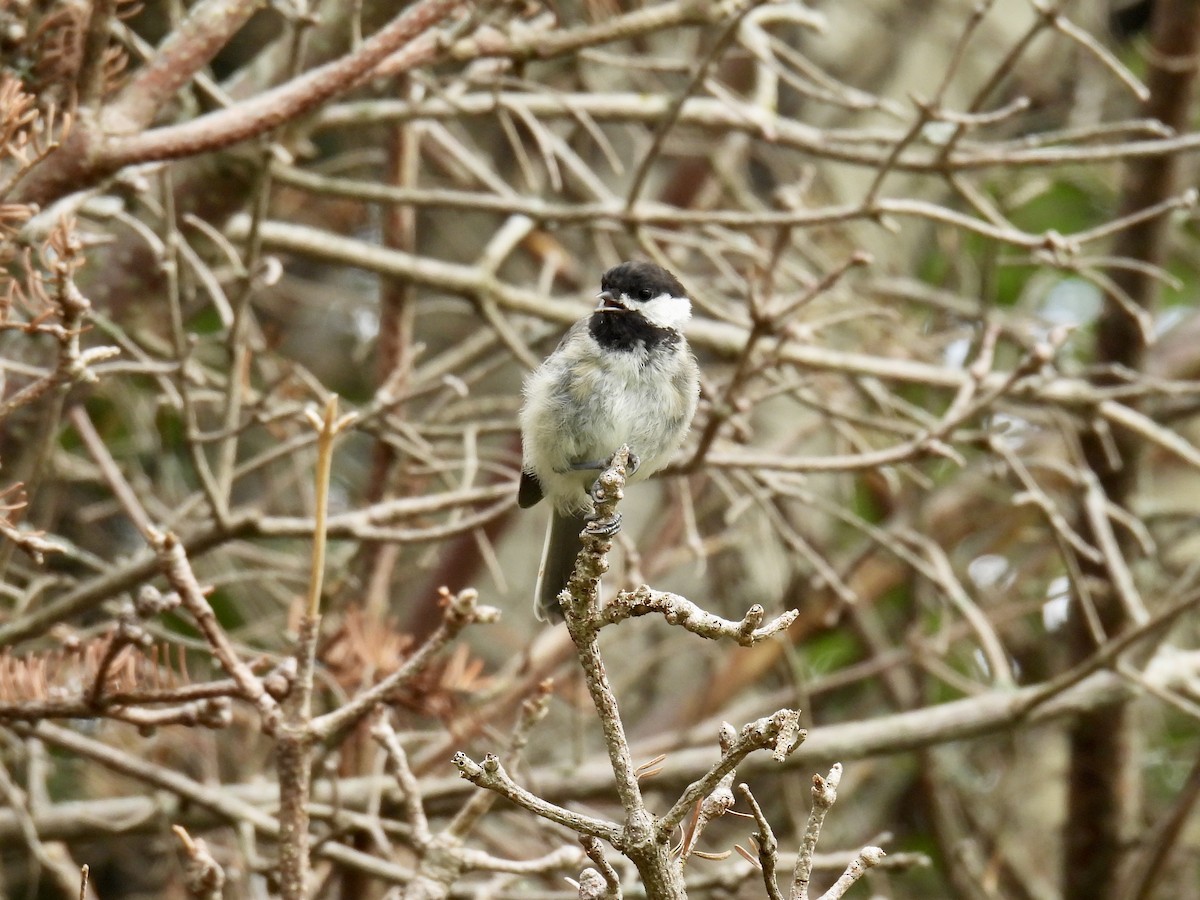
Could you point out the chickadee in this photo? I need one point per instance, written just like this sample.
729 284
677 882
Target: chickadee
622 375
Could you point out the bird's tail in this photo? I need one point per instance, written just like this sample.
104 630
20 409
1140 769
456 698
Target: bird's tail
558 560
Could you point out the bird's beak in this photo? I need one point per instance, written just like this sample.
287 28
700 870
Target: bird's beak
606 302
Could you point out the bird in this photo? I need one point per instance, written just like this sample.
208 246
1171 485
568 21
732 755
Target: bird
623 375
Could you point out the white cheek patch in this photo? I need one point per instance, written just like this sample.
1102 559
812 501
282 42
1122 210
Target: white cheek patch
667 311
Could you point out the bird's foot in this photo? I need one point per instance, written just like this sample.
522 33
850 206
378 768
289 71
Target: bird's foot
599 465
604 526
591 465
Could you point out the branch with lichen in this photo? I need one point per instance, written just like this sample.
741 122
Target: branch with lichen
780 732
644 838
677 610
824 793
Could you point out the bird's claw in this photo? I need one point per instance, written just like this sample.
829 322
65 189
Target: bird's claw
606 526
633 463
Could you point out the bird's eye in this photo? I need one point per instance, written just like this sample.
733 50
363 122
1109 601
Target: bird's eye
645 294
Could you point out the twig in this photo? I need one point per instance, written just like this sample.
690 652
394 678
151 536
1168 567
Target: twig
176 567
111 471
867 857
781 732
595 852
202 874
490 774
680 611
768 846
716 803
824 793
296 735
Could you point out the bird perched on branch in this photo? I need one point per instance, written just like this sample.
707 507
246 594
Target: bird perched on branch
623 375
